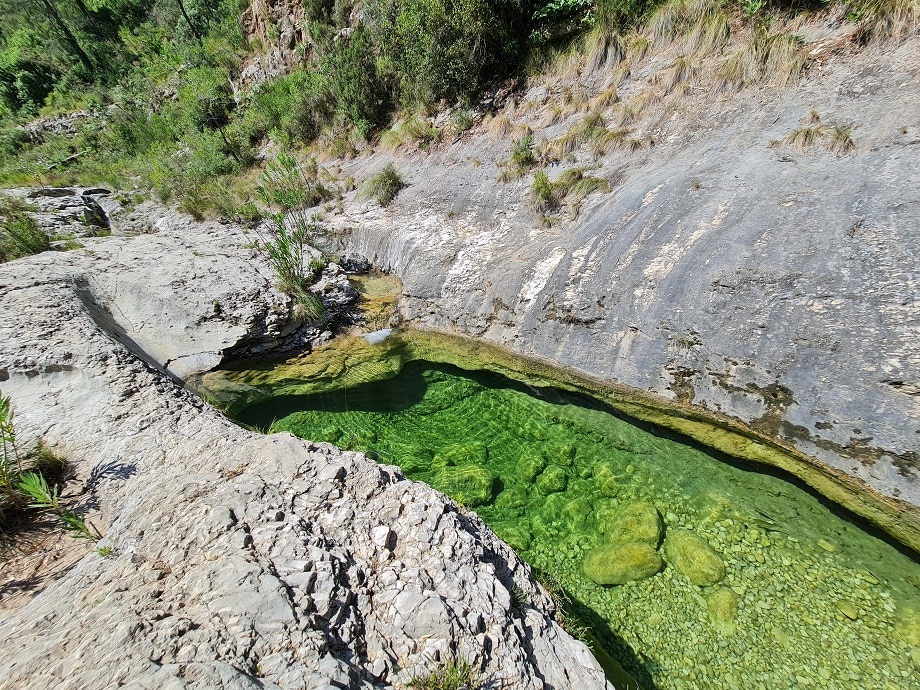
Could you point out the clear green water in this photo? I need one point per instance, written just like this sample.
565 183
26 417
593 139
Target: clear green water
813 600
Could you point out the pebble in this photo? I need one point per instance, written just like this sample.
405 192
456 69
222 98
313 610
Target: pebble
847 609
827 546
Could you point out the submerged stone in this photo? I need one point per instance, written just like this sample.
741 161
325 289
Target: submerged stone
530 465
606 477
618 564
907 626
552 480
691 555
636 521
512 501
723 609
847 608
578 513
475 453
470 485
515 535
559 453
411 459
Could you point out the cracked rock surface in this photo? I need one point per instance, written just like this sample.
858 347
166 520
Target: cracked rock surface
238 560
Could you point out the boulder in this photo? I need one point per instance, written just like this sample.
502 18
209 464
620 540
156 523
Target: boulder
552 480
618 564
723 610
636 521
530 464
468 484
475 453
606 476
691 555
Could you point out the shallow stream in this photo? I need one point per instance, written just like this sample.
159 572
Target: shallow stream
794 593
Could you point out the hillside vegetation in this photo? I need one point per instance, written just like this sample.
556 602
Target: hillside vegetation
158 100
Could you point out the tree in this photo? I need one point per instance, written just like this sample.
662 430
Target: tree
71 39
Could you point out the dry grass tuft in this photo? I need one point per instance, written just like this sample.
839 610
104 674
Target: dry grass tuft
838 139
709 33
783 58
415 131
555 115
605 99
778 56
681 71
665 22
608 52
637 47
804 138
591 130
500 127
584 131
887 21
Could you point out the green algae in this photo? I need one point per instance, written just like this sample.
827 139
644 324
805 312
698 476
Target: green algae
774 619
351 361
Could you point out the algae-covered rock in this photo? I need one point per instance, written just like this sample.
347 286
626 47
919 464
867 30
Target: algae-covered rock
530 465
578 512
606 477
470 485
847 608
559 453
723 609
636 521
907 625
475 453
552 480
330 434
514 534
511 501
691 555
618 564
412 459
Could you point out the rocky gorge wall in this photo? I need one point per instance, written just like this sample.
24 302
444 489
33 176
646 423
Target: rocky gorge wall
728 268
233 560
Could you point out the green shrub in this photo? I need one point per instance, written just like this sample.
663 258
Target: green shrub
351 68
286 191
522 152
292 108
192 174
522 159
570 189
447 48
12 141
19 233
24 478
384 186
456 674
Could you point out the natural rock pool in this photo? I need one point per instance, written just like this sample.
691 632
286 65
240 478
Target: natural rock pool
692 569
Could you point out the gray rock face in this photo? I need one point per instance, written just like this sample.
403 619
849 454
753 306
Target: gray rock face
238 560
725 269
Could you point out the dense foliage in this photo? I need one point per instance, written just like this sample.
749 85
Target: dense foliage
160 80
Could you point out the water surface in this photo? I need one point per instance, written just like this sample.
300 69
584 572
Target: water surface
809 598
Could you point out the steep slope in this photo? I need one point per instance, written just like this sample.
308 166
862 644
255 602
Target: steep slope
756 256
